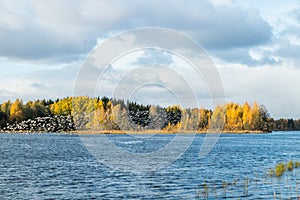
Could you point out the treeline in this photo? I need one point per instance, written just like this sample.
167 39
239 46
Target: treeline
285 124
12 112
87 113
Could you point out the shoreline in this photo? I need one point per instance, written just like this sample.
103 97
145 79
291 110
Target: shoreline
111 132
164 132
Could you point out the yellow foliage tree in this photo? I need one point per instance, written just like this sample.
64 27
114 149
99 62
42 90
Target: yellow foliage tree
218 117
16 111
234 114
255 117
5 107
246 116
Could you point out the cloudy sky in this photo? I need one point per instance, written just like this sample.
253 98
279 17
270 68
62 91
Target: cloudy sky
255 45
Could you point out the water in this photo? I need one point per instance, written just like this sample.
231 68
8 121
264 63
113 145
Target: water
57 166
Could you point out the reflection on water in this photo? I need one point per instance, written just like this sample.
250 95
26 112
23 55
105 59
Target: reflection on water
52 166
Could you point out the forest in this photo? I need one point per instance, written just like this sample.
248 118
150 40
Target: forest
95 113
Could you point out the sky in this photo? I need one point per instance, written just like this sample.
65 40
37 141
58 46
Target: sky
254 45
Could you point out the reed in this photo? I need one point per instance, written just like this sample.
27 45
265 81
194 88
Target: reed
246 184
225 185
290 165
279 169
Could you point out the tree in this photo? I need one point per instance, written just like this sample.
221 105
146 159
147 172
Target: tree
99 118
218 117
264 118
158 117
115 117
83 109
5 107
139 115
185 119
246 118
29 112
107 114
234 113
62 107
173 115
16 111
204 119
255 116
33 109
4 112
3 119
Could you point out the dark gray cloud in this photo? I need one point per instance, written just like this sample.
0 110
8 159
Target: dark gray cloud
34 43
233 28
283 49
243 56
213 27
63 30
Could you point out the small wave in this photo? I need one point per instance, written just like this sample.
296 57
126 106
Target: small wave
131 142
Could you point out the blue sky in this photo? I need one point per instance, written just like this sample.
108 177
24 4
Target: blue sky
255 44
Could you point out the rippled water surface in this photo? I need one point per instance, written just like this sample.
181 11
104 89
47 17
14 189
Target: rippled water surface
58 166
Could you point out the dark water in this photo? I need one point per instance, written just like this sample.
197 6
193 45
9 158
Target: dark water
57 166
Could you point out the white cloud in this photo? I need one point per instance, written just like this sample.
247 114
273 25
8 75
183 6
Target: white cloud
221 2
66 29
275 87
47 83
256 45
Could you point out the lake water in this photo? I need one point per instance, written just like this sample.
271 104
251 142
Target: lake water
58 166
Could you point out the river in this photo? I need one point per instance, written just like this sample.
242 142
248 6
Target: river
59 166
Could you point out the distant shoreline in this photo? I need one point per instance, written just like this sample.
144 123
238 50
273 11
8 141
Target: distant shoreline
111 132
163 132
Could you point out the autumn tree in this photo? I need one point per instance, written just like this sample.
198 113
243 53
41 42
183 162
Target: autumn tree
204 119
116 116
158 117
5 107
62 107
247 117
111 114
218 117
83 109
16 111
4 112
173 117
185 120
234 113
255 123
33 109
99 117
